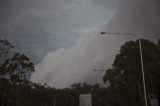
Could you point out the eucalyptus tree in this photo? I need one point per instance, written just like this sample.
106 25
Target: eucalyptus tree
15 69
125 76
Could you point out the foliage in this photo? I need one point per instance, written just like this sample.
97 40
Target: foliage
13 72
125 76
5 46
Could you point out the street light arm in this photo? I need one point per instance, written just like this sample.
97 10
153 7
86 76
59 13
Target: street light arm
128 34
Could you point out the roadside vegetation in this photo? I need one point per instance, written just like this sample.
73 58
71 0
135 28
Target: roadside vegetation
124 79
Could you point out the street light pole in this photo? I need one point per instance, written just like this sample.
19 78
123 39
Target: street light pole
141 55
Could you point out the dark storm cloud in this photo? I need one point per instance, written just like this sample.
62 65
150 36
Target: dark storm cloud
37 26
109 4
140 17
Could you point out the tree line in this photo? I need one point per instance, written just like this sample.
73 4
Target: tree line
124 80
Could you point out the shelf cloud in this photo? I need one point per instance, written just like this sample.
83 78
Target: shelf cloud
64 67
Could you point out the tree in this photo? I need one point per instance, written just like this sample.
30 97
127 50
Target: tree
5 46
14 69
125 76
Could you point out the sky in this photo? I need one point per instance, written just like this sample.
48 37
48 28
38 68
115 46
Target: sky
62 37
43 26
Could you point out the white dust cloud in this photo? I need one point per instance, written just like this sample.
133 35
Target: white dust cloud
63 67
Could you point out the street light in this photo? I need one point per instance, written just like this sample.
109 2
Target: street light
141 55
